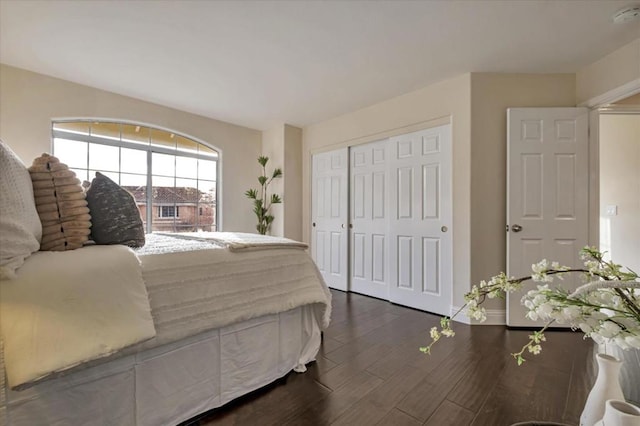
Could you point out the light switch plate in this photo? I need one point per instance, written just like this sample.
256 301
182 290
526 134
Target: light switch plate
612 210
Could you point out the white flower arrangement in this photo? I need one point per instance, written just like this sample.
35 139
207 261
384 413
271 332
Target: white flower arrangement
606 309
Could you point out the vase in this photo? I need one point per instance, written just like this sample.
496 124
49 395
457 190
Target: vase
620 413
607 386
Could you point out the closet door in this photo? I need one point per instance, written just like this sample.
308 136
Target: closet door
369 214
420 234
329 215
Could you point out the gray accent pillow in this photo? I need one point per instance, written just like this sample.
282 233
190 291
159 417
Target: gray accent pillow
115 217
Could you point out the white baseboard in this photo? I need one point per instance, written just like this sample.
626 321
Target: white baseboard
494 317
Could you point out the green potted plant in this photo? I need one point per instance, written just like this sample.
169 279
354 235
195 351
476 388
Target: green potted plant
262 202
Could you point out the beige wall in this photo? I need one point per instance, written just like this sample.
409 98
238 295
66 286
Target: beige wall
491 95
283 145
631 100
293 182
610 72
447 101
620 186
476 106
273 147
28 102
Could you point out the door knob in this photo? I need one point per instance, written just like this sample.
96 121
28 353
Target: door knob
516 228
444 229
314 224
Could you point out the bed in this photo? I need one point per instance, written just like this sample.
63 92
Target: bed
230 315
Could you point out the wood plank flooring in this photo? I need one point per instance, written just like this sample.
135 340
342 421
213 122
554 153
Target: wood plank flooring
370 372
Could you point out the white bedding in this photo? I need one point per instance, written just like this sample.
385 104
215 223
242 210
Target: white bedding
67 308
156 382
237 241
174 382
210 287
193 286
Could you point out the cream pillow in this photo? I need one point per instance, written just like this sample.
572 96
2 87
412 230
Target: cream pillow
20 228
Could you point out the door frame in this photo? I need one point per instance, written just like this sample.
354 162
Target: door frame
595 104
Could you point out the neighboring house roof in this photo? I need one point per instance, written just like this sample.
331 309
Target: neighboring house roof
170 195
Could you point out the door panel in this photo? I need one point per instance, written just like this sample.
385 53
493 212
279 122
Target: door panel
379 258
329 216
431 265
547 190
420 235
369 219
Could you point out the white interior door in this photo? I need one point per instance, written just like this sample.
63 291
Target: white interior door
547 194
329 207
369 207
420 234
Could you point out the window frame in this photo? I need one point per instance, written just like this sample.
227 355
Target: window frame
175 215
150 150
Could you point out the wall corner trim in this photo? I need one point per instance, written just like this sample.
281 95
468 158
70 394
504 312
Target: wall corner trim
628 89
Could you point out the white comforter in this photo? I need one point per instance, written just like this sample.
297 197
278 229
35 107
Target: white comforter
198 286
69 309
237 241
66 308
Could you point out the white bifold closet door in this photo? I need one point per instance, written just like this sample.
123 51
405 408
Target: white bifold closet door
400 217
329 215
420 234
369 219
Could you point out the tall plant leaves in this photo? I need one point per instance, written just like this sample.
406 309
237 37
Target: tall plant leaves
261 206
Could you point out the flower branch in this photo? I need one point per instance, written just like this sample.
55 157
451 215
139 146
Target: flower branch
607 310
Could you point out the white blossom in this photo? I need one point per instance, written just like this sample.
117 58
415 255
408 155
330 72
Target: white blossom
633 341
598 308
535 349
448 332
435 335
571 313
586 328
609 329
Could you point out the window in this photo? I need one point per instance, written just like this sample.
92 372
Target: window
169 211
173 178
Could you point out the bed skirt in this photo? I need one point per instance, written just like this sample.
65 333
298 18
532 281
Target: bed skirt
172 383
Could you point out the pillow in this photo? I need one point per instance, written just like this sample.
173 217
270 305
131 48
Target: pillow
20 228
114 214
61 204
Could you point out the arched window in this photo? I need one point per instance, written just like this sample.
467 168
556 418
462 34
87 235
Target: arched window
173 178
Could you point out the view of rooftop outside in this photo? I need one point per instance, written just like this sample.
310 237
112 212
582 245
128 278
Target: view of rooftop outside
180 172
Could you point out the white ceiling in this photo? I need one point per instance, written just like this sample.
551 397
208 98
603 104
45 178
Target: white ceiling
262 63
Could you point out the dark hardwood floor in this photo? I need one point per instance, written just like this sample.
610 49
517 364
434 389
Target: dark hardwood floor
370 372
